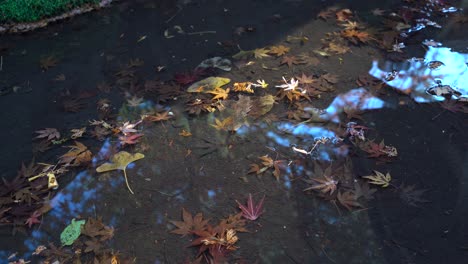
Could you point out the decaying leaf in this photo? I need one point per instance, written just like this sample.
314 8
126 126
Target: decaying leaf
120 161
379 179
262 105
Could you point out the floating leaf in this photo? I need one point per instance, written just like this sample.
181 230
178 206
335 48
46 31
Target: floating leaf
261 53
208 84
379 179
120 161
71 232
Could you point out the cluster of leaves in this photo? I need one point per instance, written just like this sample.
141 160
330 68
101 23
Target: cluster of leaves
352 32
267 163
22 200
92 245
214 242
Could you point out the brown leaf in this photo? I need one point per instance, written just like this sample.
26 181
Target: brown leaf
348 200
290 60
189 223
77 155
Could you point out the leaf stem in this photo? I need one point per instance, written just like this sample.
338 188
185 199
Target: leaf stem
126 181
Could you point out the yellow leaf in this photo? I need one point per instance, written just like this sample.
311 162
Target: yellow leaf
207 85
261 53
243 87
379 179
220 93
223 125
120 161
185 133
279 50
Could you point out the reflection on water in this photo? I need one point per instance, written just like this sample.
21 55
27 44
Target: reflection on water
417 76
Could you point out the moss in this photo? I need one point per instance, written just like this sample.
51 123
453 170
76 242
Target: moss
33 10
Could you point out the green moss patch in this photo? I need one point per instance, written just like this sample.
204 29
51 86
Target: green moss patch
32 10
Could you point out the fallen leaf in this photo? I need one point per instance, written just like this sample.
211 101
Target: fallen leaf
225 124
279 50
77 155
48 133
219 93
48 62
189 224
130 139
290 60
77 132
251 211
120 161
243 87
379 179
348 200
356 36
343 15
261 53
185 133
159 116
208 84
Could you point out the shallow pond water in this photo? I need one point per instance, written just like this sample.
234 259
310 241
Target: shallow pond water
307 155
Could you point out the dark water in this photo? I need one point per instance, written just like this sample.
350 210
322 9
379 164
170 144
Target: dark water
208 171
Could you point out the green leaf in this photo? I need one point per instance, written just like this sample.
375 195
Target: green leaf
71 232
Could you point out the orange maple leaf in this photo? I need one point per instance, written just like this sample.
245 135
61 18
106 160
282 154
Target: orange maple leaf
220 93
279 50
356 36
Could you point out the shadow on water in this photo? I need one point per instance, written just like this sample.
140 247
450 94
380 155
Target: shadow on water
206 172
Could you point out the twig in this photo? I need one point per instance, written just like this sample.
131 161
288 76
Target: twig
179 9
202 32
326 255
436 116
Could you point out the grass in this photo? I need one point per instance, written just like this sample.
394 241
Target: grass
33 10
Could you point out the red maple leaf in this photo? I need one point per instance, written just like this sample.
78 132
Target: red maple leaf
251 212
374 150
33 219
130 139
